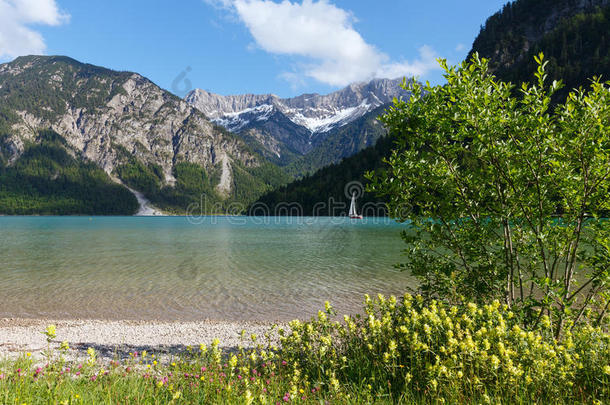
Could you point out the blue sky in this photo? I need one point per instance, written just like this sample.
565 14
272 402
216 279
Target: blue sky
249 46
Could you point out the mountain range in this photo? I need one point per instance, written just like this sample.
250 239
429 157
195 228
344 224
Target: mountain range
285 130
138 134
64 123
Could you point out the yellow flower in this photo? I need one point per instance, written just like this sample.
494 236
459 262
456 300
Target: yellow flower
607 370
50 332
249 397
28 354
495 362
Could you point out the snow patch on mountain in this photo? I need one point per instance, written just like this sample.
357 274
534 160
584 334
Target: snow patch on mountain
334 119
235 121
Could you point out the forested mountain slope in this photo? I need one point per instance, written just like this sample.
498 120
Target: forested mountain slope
574 35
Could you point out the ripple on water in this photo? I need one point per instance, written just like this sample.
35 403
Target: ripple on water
167 268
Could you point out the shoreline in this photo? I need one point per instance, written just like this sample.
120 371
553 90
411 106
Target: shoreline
114 339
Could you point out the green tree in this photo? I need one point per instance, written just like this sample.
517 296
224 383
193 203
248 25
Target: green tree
504 194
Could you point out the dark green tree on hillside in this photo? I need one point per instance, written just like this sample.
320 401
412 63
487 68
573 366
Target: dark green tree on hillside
508 193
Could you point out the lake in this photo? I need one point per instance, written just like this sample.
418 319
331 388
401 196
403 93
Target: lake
179 268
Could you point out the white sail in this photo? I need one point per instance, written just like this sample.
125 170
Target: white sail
352 207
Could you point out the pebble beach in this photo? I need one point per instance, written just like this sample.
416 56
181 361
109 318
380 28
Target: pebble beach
116 339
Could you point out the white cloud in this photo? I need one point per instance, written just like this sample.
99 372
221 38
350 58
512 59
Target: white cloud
16 17
324 35
460 47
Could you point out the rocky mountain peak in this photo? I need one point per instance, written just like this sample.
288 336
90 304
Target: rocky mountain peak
318 113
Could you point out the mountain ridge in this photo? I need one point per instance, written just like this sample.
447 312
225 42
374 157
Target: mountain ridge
116 119
286 130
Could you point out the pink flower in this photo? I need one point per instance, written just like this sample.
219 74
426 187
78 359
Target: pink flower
239 377
284 362
93 377
203 369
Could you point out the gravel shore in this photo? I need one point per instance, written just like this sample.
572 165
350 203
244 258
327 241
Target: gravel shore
116 339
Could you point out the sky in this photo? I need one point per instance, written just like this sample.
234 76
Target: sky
284 47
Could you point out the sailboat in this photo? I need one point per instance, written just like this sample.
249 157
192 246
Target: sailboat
352 208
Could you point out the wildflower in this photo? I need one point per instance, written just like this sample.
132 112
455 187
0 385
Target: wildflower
495 362
28 354
249 397
607 370
50 332
64 346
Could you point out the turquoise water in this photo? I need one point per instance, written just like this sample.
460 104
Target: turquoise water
220 268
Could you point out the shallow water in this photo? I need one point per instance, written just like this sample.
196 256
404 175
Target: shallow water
221 268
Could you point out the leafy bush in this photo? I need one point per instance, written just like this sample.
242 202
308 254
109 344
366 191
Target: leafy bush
505 194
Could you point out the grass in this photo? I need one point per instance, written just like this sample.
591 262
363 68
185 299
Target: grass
399 351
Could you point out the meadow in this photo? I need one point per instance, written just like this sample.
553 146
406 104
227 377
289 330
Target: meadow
400 350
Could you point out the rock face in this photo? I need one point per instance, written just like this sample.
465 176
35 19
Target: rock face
110 117
292 127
